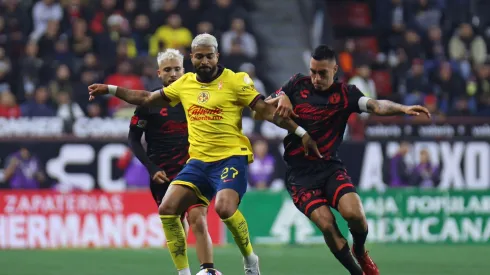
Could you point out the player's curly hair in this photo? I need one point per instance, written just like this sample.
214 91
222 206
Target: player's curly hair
205 39
323 52
170 54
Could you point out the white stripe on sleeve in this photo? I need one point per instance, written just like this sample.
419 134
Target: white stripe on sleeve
363 103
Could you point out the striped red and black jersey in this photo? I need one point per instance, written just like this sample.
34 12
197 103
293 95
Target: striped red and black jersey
323 114
166 135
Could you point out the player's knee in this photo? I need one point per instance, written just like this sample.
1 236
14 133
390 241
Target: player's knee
352 214
325 222
198 224
327 227
225 208
350 208
167 208
226 203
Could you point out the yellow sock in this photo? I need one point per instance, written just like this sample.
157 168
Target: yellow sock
239 229
176 241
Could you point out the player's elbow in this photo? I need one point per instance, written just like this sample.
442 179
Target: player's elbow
265 115
257 116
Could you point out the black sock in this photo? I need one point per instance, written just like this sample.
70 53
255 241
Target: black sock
347 260
207 265
359 241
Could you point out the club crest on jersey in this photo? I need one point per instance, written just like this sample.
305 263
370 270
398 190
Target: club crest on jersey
334 98
203 97
304 94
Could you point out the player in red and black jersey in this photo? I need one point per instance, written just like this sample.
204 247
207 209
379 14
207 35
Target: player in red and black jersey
322 107
166 154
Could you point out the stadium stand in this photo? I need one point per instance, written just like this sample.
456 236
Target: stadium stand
48 58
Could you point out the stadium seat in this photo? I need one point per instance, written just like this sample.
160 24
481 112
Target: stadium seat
359 15
356 15
368 44
382 80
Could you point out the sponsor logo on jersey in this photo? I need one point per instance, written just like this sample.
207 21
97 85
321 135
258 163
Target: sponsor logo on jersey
196 112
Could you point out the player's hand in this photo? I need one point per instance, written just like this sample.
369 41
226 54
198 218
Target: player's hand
309 143
285 108
415 110
160 177
97 89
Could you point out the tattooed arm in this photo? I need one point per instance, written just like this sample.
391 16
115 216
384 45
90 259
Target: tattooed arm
390 108
136 97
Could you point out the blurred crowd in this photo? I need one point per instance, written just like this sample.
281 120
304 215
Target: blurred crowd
430 52
433 52
50 51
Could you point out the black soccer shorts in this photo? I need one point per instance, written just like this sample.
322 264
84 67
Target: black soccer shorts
158 191
313 187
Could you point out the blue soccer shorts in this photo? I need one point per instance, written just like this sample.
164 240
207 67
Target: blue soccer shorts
207 178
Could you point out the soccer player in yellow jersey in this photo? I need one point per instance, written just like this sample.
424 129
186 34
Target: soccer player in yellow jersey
213 99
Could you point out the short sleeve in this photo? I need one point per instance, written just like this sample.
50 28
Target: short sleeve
353 97
139 120
171 93
247 95
287 88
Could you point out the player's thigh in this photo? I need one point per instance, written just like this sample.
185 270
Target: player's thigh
340 190
158 191
306 194
177 200
350 207
230 176
194 177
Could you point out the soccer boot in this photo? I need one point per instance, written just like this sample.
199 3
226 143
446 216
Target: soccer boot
251 267
209 271
367 264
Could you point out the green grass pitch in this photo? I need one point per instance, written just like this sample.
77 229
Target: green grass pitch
392 259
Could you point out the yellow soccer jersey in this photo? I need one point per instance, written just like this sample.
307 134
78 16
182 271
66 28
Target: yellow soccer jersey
214 113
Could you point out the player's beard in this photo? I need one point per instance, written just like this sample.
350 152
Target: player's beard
206 73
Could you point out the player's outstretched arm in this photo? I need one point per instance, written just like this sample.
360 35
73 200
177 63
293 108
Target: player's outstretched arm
136 97
390 108
268 112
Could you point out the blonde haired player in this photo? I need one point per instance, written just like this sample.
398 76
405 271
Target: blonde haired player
213 98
